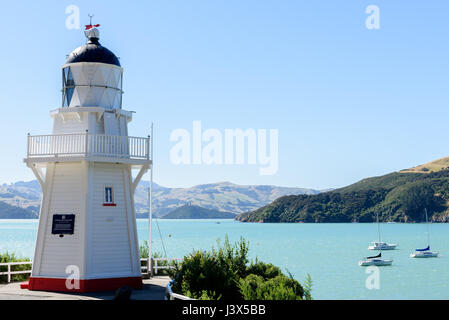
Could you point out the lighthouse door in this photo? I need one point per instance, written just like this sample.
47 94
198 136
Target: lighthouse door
113 138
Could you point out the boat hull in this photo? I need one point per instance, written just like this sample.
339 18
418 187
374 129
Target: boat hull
387 247
424 255
377 262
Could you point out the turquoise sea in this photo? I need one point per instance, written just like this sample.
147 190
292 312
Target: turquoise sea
328 252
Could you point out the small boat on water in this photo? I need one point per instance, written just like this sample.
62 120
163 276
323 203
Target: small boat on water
425 253
380 245
375 261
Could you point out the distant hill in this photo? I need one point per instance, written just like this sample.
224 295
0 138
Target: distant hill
10 212
398 196
196 212
25 196
222 196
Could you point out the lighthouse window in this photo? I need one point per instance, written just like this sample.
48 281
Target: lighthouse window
108 195
69 85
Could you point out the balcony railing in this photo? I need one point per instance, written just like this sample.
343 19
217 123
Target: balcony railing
85 144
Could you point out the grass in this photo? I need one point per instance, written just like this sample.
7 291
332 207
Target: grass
434 166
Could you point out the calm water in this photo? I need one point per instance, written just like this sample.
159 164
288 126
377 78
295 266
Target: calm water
328 252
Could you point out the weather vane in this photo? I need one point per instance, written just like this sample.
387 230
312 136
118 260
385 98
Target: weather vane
90 26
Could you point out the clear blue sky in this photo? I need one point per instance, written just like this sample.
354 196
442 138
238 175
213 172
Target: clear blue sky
348 102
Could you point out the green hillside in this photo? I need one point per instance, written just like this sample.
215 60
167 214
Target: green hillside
399 196
196 212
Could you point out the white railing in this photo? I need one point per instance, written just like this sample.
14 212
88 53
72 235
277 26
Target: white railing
85 144
9 273
168 266
170 295
156 267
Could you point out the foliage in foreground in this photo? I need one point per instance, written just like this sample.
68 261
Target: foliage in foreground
144 251
11 257
225 273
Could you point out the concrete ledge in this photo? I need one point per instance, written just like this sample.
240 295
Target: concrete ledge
153 289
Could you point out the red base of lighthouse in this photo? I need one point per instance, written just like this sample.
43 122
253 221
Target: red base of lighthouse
89 285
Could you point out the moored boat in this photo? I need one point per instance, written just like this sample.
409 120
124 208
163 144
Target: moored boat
379 245
375 261
425 253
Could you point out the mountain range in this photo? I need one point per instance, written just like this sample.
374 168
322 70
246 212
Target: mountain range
22 199
195 212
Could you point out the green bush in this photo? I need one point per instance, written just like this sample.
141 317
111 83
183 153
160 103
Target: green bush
281 287
214 273
11 257
265 270
144 251
224 273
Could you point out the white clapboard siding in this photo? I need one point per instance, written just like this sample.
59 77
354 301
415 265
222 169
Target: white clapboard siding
98 125
111 124
70 123
59 252
110 242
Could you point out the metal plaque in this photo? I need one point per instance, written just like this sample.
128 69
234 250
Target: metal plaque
63 224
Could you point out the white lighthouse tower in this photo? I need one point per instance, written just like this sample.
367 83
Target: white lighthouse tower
87 238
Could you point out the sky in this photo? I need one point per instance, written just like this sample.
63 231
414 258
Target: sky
347 102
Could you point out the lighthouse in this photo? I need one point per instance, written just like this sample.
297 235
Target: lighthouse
87 237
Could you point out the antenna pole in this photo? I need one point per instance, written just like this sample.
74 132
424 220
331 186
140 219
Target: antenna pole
150 213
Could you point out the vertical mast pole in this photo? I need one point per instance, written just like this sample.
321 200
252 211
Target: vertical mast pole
378 225
150 213
428 233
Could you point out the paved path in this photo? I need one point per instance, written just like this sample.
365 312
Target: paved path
153 289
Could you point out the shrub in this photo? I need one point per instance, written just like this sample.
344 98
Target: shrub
265 270
215 273
224 273
281 287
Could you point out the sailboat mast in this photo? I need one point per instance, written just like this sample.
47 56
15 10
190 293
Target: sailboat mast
428 233
378 225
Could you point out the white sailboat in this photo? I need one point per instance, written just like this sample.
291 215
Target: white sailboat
375 261
425 253
380 245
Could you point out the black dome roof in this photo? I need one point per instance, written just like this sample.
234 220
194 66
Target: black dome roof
93 51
